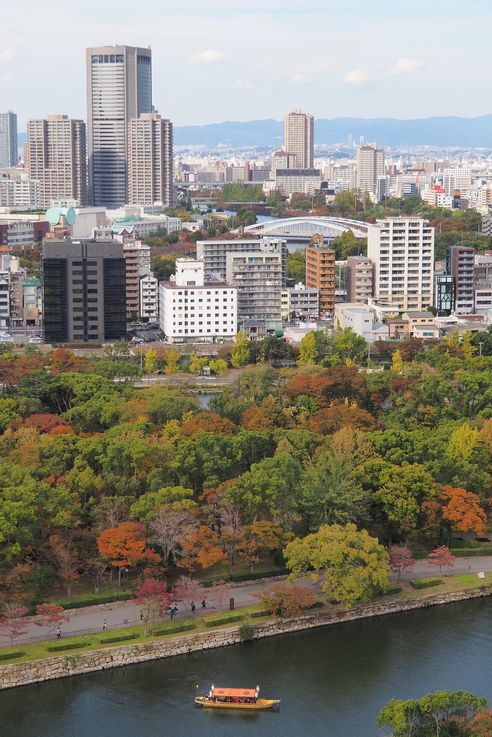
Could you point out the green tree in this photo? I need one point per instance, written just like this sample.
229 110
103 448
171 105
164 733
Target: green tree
351 565
307 350
240 350
176 498
218 366
19 502
150 361
295 267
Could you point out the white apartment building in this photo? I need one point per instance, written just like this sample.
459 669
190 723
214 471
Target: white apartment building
149 297
191 310
457 180
17 190
360 318
402 250
258 279
300 300
137 262
214 254
292 181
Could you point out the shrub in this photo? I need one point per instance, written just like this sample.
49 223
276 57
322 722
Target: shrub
226 619
246 632
67 646
93 599
288 600
178 627
260 613
118 638
247 576
425 583
12 655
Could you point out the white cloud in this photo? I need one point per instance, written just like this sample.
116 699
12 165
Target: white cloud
298 79
204 58
356 78
240 84
405 66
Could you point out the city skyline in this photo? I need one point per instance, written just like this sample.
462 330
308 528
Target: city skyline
350 59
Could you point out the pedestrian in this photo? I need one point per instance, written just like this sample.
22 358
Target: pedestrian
204 604
105 626
193 607
58 633
141 616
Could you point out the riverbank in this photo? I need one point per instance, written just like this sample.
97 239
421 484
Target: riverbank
62 666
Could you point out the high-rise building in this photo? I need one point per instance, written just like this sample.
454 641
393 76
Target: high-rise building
119 88
402 250
214 254
56 157
320 274
460 264
444 294
370 166
299 138
150 160
360 279
8 140
257 276
83 291
137 263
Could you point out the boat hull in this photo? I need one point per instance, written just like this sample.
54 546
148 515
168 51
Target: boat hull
259 705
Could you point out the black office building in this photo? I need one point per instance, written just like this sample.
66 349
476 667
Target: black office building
84 291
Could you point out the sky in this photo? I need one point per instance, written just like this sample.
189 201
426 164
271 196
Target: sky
216 60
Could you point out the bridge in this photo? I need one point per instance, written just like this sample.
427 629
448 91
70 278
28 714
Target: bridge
305 227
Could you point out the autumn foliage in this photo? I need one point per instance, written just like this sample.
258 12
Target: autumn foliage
463 511
288 600
124 546
207 422
201 548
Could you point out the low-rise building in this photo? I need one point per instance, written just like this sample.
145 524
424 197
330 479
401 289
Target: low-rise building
191 310
360 319
419 319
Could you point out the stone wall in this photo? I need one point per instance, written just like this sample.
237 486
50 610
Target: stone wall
61 666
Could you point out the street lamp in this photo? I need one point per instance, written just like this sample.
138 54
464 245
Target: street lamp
480 344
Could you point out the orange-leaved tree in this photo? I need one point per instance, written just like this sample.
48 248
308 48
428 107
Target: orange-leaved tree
462 510
201 548
124 546
259 538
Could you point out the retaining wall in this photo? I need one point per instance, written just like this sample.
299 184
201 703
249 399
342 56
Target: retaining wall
62 666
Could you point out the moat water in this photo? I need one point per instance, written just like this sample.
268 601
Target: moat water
332 682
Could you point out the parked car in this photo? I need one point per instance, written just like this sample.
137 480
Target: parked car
6 338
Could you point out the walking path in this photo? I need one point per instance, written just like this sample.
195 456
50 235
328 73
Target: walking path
127 613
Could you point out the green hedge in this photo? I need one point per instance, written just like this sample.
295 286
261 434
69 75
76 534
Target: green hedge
394 590
249 576
425 583
118 638
12 655
227 619
260 613
67 646
472 552
178 627
94 599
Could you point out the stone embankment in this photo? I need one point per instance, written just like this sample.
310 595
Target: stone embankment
22 674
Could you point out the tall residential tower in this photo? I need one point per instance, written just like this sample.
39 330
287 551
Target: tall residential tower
8 140
119 88
299 138
150 160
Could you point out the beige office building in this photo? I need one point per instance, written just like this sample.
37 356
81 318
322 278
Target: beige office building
370 166
56 157
299 138
119 88
150 160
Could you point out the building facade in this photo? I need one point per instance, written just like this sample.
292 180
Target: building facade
214 254
56 157
292 181
119 88
8 140
257 276
402 250
320 274
84 288
460 264
444 294
359 279
370 166
137 263
150 160
191 310
299 138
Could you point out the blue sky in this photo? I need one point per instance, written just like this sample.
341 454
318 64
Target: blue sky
217 60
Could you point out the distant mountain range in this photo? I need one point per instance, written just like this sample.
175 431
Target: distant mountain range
445 131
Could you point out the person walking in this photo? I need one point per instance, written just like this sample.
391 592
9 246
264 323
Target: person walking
58 633
105 626
193 607
141 616
204 604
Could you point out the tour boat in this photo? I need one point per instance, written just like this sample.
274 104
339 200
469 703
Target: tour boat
235 698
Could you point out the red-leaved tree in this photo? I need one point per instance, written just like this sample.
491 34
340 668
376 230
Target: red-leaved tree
50 616
441 557
153 598
124 546
400 559
14 621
